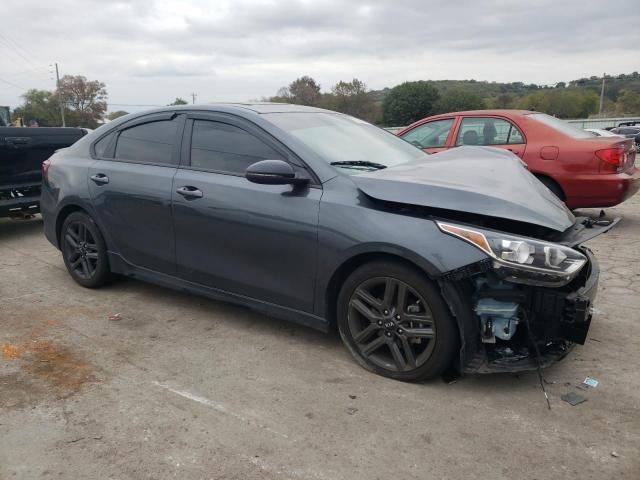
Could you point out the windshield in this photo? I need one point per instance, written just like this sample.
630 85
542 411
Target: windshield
352 145
560 125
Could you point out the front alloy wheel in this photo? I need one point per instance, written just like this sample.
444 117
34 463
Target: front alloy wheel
395 322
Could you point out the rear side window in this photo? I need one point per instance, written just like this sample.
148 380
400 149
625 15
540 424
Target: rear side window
102 146
227 149
148 143
430 135
487 131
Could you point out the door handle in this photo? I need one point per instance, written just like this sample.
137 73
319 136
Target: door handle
100 179
189 192
18 140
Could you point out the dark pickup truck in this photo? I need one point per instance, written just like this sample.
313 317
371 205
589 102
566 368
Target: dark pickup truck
22 151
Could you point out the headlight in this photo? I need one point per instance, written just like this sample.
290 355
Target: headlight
522 259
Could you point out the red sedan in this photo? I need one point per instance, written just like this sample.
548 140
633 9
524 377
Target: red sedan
582 169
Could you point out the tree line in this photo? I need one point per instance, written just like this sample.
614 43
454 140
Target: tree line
411 101
85 101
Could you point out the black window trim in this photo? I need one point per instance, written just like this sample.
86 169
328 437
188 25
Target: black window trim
154 117
251 128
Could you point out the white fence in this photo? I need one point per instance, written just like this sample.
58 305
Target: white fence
602 122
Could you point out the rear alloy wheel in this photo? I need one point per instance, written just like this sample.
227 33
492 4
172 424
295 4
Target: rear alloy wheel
395 322
84 251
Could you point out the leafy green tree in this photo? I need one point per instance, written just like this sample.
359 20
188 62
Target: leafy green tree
118 114
178 101
304 91
85 100
408 102
459 99
39 105
563 103
629 102
353 98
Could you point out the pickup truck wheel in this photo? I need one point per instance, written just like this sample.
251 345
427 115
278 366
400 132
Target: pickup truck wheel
84 251
395 322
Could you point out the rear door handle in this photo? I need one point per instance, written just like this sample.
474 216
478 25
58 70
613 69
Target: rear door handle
100 179
189 192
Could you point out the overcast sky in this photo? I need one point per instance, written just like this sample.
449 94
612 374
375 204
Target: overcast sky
149 52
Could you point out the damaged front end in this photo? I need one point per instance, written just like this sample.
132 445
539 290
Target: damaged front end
528 303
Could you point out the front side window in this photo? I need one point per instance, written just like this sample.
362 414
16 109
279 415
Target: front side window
226 148
148 143
487 131
430 135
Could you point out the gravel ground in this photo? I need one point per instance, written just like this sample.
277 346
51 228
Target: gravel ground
176 386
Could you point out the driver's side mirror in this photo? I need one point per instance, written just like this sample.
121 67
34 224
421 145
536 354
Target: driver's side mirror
273 172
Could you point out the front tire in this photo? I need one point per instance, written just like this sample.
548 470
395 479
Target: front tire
395 322
84 251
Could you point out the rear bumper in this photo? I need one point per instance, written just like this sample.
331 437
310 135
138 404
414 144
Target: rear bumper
600 191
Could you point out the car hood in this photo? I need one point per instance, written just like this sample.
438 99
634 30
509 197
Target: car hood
479 180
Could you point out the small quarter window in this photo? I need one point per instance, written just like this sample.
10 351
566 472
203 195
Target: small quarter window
102 147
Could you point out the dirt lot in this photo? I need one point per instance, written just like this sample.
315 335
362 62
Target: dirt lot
182 387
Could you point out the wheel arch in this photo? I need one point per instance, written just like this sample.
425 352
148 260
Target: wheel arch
77 207
349 265
550 182
62 216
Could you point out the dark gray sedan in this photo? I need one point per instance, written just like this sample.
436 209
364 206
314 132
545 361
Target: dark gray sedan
423 263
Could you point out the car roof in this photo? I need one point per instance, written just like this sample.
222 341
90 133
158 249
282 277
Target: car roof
257 107
246 110
501 112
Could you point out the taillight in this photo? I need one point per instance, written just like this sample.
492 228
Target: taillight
613 156
45 170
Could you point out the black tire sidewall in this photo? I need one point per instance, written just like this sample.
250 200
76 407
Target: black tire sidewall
447 336
103 273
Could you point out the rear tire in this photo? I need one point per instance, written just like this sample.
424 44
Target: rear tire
395 322
84 251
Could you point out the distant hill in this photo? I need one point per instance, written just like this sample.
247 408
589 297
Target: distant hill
510 95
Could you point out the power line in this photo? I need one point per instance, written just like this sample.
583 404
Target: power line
17 49
12 84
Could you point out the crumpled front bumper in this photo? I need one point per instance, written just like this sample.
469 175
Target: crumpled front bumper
559 318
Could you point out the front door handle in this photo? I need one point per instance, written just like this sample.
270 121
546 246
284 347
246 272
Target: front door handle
189 192
18 140
100 179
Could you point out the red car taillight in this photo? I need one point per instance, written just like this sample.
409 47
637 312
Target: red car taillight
45 170
613 156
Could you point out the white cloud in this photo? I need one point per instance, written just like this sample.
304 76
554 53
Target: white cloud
149 52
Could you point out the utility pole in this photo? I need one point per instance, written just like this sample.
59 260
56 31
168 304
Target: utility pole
60 98
602 95
193 97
